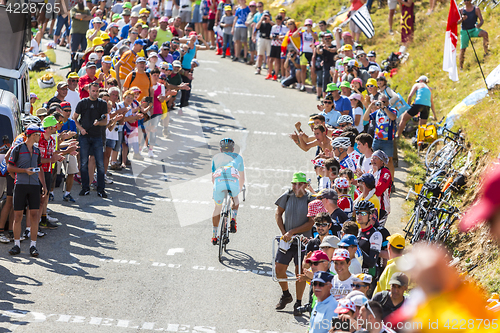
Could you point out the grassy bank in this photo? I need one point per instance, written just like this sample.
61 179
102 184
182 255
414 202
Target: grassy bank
43 94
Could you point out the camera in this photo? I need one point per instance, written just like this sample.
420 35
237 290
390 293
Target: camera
350 69
378 103
304 308
340 325
148 99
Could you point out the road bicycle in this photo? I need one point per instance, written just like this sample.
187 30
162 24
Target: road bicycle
442 152
226 216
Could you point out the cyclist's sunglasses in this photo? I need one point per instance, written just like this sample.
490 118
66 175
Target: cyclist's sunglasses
362 213
318 284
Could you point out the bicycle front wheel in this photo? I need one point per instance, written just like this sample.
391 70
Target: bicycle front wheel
433 153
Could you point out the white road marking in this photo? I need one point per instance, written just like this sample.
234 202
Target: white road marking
172 252
215 93
19 318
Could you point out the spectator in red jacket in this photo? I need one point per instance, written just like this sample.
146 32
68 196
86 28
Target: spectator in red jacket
383 180
85 81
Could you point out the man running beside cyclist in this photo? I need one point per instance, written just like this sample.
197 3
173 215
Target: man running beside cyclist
228 174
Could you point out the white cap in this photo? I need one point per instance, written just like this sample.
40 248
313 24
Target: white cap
423 78
93 56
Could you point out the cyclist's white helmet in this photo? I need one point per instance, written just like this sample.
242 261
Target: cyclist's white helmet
345 119
341 142
31 120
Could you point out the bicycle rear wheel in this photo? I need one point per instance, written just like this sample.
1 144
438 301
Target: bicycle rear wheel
409 226
432 154
222 236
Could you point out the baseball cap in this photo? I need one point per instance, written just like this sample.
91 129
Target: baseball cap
93 57
327 193
126 12
73 75
170 67
152 48
282 10
33 95
140 42
299 177
360 52
315 207
97 41
65 105
134 14
105 36
90 64
372 54
332 87
144 11
487 205
107 60
348 240
97 19
381 156
364 278
163 76
99 48
423 78
340 254
163 19
330 241
165 45
373 69
62 84
41 112
341 182
140 59
355 96
320 162
368 180
176 63
371 81
49 121
308 22
252 3
347 33
322 277
33 129
193 33
317 256
113 18
196 62
127 5
228 8
353 63
347 47
359 299
346 60
399 278
397 241
153 54
345 305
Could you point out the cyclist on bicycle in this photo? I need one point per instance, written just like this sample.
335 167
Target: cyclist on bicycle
227 175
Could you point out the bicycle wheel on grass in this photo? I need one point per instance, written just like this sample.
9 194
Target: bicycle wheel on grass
433 153
409 226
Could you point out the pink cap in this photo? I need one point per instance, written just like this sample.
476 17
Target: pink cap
163 19
252 3
340 254
346 33
315 207
488 203
355 96
317 256
308 22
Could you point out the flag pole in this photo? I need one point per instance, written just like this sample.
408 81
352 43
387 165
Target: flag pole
477 59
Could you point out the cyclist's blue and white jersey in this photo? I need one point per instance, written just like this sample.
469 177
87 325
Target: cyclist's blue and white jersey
348 163
227 166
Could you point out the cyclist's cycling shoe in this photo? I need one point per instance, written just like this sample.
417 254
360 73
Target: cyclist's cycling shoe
284 300
215 240
232 228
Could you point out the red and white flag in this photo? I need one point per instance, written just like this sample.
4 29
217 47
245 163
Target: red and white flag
450 42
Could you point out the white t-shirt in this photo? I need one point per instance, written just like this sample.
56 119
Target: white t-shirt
36 47
73 98
185 5
168 5
358 111
113 134
355 267
341 288
365 164
307 40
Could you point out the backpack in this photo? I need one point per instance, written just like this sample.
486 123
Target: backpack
134 74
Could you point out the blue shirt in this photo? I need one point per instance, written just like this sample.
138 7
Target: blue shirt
343 104
114 40
70 125
331 117
186 60
176 55
322 314
227 166
423 97
125 30
241 17
384 126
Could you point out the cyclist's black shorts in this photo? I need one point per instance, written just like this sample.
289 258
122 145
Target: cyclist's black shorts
26 194
10 185
423 109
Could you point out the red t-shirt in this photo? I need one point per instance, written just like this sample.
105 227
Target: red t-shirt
82 82
47 149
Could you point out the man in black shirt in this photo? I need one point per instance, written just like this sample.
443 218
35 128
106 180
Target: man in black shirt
392 300
92 113
62 91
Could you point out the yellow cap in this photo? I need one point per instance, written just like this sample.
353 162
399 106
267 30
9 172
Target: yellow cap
372 81
282 10
228 8
104 36
144 11
397 241
97 41
347 47
73 75
107 59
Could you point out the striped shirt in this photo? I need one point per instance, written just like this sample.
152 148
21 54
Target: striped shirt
127 62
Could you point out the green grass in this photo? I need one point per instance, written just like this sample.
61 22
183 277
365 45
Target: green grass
416 168
43 94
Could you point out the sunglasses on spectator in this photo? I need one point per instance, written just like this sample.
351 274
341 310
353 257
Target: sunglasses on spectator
361 213
316 263
327 102
370 86
134 33
259 6
60 122
99 51
357 285
344 247
162 79
367 305
164 68
318 284
66 110
321 224
176 43
72 80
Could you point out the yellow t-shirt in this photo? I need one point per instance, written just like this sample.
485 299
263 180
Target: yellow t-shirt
112 72
51 54
88 34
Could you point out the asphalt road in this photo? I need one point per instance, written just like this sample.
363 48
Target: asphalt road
142 260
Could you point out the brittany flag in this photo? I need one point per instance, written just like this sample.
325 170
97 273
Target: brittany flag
450 42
